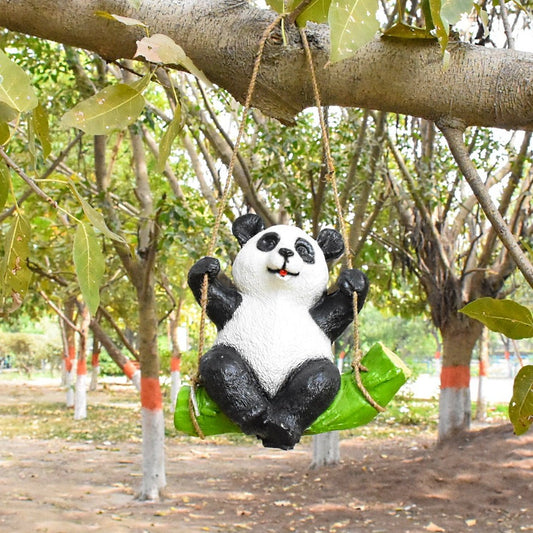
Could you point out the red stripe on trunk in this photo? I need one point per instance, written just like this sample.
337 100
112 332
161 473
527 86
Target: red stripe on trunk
175 364
151 397
82 367
129 369
455 377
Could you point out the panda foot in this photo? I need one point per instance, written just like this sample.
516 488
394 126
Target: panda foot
283 432
255 424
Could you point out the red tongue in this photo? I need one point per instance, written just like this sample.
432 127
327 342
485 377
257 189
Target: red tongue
283 273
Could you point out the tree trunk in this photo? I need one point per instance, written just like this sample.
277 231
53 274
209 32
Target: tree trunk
459 336
481 86
153 424
128 367
95 365
175 361
70 352
326 450
481 406
80 403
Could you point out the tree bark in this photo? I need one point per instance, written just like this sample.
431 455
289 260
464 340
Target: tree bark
481 406
459 336
326 450
481 86
80 403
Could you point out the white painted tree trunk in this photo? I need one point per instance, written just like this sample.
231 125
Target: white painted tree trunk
175 384
454 411
136 379
80 404
153 453
95 372
133 373
326 449
69 385
481 405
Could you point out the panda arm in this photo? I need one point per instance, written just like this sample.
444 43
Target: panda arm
334 311
222 297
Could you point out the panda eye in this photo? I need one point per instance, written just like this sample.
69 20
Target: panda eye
305 251
268 242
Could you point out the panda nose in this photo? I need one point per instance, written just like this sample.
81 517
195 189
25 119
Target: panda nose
285 252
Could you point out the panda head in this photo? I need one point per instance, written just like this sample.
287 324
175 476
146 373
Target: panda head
283 260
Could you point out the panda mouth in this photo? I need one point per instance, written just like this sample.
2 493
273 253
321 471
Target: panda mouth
283 272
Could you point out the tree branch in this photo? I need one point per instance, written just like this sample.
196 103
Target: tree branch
454 136
482 86
29 181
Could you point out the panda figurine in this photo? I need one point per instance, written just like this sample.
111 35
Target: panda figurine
271 368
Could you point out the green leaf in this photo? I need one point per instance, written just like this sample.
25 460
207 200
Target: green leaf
141 84
15 87
521 404
7 114
279 5
441 27
40 126
30 145
5 133
95 217
173 128
317 11
89 264
4 184
113 108
503 316
452 10
15 274
352 24
404 31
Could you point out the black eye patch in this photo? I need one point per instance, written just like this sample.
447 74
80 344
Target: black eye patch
268 242
305 251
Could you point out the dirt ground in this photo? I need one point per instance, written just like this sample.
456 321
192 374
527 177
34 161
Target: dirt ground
482 484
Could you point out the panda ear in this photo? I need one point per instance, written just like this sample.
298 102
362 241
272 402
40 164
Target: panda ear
246 226
331 244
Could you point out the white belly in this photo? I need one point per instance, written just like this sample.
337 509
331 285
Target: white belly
274 337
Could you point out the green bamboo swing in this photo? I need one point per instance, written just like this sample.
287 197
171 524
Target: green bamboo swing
385 374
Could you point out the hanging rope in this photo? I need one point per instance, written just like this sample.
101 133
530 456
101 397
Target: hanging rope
193 408
330 175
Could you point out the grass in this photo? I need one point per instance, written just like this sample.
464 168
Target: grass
117 419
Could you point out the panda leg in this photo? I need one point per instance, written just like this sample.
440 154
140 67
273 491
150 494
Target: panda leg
306 394
231 383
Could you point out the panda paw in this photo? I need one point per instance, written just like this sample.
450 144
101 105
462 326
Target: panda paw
206 265
282 431
352 280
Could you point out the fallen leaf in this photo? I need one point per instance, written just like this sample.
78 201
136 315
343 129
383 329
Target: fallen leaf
434 527
471 522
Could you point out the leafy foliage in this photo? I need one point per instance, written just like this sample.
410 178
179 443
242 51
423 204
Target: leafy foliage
353 23
15 87
15 275
90 265
521 405
113 108
503 316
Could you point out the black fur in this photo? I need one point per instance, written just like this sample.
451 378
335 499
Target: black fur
279 421
334 312
222 297
246 226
